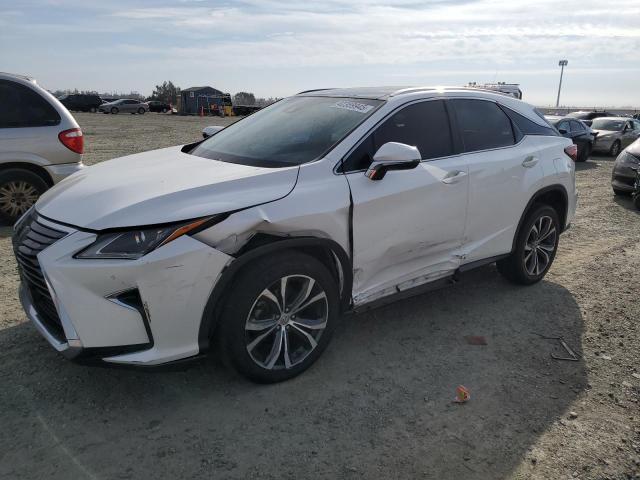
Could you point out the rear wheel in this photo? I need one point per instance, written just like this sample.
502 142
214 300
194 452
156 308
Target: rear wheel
164 110
93 109
615 148
19 190
535 247
621 193
279 317
141 111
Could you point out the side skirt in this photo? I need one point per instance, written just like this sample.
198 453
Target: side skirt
426 287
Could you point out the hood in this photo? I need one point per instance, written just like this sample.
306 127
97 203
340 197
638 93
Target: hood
602 133
160 186
634 148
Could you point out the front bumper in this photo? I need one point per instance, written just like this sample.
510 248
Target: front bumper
623 177
603 144
173 284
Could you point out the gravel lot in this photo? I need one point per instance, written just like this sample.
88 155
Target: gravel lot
378 404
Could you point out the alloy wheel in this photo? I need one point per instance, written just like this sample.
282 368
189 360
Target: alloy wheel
286 322
17 197
540 245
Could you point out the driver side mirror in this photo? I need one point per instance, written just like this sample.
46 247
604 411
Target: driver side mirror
393 156
562 131
210 131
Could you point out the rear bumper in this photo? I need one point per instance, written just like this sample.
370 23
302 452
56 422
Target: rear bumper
60 171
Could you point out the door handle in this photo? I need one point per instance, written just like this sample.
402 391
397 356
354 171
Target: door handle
530 161
454 177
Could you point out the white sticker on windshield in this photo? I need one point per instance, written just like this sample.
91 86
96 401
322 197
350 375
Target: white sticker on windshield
353 106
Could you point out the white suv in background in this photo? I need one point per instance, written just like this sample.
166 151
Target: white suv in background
40 144
254 241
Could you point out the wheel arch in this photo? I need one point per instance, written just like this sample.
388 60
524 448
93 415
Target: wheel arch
30 167
553 195
325 250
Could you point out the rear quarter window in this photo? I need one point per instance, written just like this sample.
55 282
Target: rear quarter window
23 107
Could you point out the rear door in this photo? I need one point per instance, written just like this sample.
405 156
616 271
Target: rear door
504 170
408 226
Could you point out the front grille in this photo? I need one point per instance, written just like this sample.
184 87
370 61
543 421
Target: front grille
30 238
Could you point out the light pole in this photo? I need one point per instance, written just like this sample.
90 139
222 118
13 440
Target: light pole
562 64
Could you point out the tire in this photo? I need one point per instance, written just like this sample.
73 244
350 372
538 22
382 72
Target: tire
141 111
164 110
114 110
522 267
93 109
621 193
244 317
615 149
584 155
636 201
19 190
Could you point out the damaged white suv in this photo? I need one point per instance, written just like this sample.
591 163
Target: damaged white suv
254 241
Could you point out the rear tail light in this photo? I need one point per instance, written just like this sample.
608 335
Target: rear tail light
572 151
72 139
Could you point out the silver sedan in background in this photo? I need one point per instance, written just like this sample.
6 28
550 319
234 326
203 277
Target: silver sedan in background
124 105
614 134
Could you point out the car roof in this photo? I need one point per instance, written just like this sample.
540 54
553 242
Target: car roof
385 93
613 118
17 77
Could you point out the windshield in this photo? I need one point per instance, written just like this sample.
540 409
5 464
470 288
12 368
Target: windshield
293 131
604 124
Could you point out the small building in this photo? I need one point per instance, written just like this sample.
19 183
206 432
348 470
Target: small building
207 100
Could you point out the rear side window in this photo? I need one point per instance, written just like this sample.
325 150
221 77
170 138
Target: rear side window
23 107
424 125
483 125
529 127
576 126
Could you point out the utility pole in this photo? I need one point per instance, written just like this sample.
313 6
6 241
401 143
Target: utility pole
562 64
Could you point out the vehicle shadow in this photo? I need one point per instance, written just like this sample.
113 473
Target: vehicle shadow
378 403
626 202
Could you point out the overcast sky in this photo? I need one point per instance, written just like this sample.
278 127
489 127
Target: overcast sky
277 47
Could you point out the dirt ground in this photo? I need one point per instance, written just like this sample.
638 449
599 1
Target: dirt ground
378 403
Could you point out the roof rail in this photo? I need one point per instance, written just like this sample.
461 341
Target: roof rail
314 90
411 90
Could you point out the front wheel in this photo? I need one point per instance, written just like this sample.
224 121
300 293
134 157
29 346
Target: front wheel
615 149
278 317
93 109
141 111
585 153
535 247
114 110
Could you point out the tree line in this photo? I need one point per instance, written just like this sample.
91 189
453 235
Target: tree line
167 92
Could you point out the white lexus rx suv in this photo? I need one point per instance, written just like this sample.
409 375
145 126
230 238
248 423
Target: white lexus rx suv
254 241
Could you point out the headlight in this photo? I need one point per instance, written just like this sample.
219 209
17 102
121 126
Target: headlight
134 244
626 158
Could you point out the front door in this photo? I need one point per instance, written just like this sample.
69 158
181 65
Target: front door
408 226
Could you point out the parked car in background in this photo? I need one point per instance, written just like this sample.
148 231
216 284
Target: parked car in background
625 168
578 132
158 106
81 102
40 144
636 191
125 105
254 241
614 134
588 116
243 110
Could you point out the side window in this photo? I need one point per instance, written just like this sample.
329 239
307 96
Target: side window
576 126
22 107
483 125
636 124
564 125
424 125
